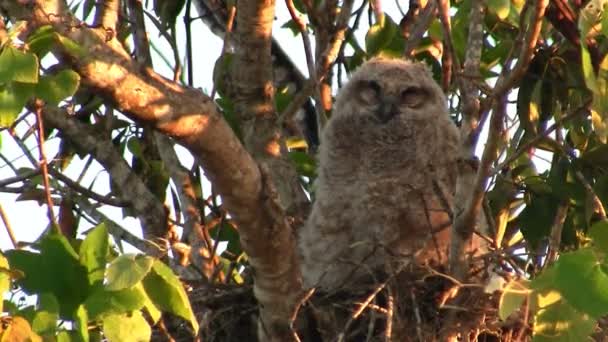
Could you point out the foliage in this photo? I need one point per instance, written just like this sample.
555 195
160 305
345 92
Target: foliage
86 283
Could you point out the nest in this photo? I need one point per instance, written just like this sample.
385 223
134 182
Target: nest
420 304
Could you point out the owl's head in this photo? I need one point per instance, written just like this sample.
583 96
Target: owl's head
391 90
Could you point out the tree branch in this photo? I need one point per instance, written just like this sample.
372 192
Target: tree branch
130 187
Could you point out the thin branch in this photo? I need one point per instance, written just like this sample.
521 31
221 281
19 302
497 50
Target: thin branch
109 200
131 188
465 213
532 142
509 78
20 178
8 227
421 25
555 238
449 59
43 163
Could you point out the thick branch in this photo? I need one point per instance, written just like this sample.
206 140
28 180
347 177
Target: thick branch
272 250
130 187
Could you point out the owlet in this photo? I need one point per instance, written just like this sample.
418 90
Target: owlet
386 177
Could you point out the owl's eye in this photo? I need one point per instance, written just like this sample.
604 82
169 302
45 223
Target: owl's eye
369 91
414 97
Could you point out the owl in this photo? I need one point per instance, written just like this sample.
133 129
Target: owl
387 169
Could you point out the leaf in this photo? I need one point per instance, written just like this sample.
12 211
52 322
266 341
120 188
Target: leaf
19 330
11 105
94 252
305 164
41 41
512 297
104 302
47 314
127 328
500 7
55 88
127 270
167 292
40 269
380 35
560 322
599 234
583 282
81 320
18 66
71 46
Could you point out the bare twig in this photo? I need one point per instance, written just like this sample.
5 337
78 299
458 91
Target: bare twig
555 238
43 163
420 27
508 78
109 200
8 227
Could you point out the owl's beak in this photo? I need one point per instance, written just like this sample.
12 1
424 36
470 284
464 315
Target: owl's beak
389 108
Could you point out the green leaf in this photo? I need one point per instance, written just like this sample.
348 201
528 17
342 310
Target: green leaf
81 321
94 252
583 282
41 272
588 73
305 164
18 66
71 46
599 234
560 322
127 270
55 88
167 292
127 328
500 7
380 35
513 296
104 302
11 104
41 41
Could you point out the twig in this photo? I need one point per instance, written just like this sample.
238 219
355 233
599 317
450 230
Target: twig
109 200
417 315
43 163
555 238
390 307
421 25
576 113
20 178
360 310
8 227
227 36
449 59
508 78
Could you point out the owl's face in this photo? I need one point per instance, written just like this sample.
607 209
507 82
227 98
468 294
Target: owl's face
383 105
389 91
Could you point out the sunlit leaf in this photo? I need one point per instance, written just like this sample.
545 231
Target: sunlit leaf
18 66
167 292
583 282
127 270
127 328
55 88
512 297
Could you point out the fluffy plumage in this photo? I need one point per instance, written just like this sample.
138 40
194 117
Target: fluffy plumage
386 177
